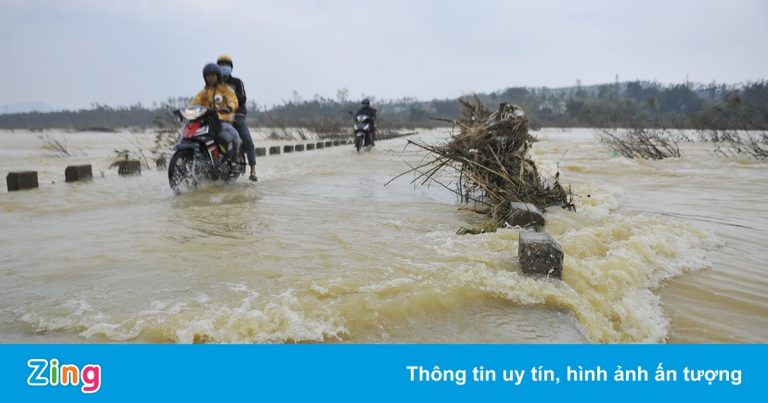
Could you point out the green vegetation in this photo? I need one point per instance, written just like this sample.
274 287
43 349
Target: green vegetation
627 104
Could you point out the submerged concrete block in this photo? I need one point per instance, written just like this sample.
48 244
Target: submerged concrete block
525 215
161 163
129 167
288 149
261 151
274 150
21 180
320 144
310 146
328 144
76 173
336 143
298 147
539 253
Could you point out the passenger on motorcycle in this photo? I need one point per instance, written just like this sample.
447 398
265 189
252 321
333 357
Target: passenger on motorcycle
225 64
220 97
370 111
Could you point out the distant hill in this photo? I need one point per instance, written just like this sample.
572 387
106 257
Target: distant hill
25 107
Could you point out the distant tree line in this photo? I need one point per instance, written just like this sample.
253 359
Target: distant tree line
626 104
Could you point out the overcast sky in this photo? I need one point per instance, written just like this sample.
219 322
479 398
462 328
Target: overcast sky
71 53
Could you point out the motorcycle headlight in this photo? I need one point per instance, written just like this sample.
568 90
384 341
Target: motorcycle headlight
193 112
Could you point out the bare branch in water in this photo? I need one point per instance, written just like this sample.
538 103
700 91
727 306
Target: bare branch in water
640 142
57 146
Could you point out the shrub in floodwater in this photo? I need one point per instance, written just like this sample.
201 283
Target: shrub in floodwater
732 142
641 142
125 154
55 145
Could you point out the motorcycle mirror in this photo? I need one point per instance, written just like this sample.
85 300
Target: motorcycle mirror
177 115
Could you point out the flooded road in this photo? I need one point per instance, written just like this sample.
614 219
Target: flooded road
319 250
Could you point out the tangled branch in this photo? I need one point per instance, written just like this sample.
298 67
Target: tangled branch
490 155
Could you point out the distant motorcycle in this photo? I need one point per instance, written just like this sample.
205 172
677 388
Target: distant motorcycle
363 130
197 156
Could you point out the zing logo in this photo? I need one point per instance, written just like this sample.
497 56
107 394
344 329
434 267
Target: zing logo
50 373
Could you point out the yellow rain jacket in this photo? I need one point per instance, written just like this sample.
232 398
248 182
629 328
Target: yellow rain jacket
207 98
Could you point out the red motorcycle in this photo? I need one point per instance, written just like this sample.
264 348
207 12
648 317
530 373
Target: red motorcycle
198 156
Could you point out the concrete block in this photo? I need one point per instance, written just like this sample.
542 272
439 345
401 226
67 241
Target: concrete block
21 180
539 253
129 167
161 163
525 215
75 173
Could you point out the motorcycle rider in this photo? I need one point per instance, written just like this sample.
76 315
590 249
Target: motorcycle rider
218 96
225 64
370 111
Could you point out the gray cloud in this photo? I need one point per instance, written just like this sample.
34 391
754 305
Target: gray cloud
72 53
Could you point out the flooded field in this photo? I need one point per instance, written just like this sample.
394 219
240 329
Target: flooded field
319 250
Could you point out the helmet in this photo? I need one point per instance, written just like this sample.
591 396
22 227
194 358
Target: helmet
211 68
366 102
224 59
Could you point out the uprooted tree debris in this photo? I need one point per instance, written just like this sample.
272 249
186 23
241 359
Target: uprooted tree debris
490 155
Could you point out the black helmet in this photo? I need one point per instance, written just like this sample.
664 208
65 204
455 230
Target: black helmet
366 102
212 68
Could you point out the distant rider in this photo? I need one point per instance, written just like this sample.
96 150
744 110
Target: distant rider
225 64
370 111
220 97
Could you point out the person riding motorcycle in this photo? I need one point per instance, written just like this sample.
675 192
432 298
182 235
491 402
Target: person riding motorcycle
370 111
218 96
225 64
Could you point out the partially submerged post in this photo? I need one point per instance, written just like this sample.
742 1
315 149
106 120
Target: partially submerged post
298 147
288 148
524 215
310 146
274 150
21 180
161 163
75 173
261 151
320 145
129 167
539 253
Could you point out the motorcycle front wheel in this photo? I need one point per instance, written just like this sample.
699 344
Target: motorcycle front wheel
183 171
